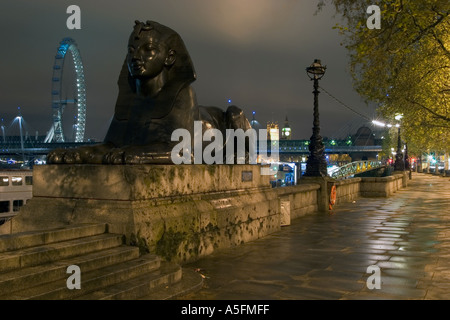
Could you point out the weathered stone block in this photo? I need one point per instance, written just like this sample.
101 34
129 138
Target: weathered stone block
348 190
141 182
178 212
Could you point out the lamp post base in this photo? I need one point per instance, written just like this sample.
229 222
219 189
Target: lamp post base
323 197
316 168
399 164
316 165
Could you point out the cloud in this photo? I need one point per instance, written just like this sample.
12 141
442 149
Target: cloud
254 51
245 21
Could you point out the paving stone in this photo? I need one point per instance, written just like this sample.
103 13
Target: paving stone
323 256
308 293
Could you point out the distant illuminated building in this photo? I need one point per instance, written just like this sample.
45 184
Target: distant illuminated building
254 123
286 133
273 131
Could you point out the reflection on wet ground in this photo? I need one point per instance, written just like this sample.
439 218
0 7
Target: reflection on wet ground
326 256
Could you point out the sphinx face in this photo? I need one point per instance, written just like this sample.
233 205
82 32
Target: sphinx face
146 57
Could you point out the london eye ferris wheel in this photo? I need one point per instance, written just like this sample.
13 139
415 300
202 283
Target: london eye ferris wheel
68 88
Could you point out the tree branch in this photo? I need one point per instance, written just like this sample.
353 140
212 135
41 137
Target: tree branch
441 44
437 115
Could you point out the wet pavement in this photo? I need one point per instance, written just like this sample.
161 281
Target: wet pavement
327 255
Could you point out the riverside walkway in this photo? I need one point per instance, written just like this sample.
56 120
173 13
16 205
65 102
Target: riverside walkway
327 255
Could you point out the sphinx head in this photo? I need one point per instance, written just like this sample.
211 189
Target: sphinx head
154 49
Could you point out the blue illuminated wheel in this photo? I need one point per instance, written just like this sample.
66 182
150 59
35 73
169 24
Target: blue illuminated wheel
61 100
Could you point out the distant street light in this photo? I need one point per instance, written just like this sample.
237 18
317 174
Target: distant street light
378 123
399 164
3 132
19 117
316 166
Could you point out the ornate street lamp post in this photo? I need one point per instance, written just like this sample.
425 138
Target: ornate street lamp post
408 162
399 164
407 159
316 166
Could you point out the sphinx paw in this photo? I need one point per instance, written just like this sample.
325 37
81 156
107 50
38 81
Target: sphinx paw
72 157
55 157
115 156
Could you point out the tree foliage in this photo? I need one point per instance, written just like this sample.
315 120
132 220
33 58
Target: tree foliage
404 66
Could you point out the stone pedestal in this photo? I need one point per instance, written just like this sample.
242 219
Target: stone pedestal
179 212
405 177
323 196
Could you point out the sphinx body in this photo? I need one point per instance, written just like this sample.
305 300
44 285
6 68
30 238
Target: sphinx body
155 98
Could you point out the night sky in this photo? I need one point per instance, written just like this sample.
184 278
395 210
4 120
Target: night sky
253 52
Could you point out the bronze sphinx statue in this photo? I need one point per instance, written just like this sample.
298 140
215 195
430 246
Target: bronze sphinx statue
155 98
